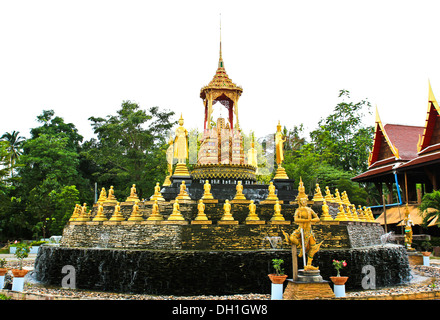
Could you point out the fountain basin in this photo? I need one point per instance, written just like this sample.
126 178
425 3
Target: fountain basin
196 272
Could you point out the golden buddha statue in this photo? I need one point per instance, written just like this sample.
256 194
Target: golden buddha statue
345 199
318 195
155 215
181 150
277 215
305 217
325 216
341 216
301 191
361 214
354 213
102 196
133 196
207 191
135 214
272 195
157 195
252 216
176 215
111 195
84 215
183 194
279 147
239 192
328 195
337 198
76 212
100 214
201 216
227 216
117 216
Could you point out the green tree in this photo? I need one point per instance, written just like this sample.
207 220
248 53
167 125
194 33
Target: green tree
342 139
430 201
130 148
14 144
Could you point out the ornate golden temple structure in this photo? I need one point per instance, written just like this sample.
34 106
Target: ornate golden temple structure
221 155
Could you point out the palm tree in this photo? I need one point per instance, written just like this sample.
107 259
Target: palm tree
430 201
15 143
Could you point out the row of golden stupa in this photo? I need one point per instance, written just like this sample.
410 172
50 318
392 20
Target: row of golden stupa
346 210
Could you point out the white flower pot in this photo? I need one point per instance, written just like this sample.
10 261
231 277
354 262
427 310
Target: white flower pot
426 261
17 284
2 282
339 290
276 291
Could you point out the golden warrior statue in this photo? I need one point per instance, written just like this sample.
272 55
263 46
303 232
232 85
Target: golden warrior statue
303 237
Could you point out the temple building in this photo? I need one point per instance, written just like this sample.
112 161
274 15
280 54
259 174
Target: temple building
406 159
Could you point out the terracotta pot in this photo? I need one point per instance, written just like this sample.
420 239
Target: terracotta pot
339 281
277 279
19 273
3 271
426 253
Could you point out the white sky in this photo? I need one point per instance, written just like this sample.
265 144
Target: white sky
83 58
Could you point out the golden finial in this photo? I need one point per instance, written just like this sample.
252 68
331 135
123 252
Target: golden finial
220 61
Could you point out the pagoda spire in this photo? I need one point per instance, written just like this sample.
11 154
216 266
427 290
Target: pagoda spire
220 60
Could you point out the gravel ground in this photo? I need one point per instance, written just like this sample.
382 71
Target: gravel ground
425 279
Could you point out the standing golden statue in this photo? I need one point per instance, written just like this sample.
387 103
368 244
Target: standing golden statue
303 236
181 150
408 229
169 157
279 148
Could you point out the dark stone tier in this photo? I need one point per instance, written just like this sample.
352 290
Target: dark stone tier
189 272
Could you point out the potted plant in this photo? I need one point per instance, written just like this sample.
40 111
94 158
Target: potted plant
278 277
338 265
426 248
21 252
3 272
